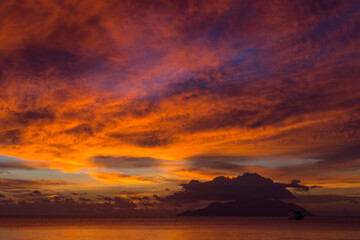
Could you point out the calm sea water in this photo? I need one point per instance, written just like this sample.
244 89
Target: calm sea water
183 228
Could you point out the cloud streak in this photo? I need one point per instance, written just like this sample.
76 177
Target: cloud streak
26 184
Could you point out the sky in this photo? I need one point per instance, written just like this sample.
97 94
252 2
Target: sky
120 104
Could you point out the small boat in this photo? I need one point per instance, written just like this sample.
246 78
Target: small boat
296 215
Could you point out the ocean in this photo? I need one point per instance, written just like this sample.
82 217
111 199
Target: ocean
183 228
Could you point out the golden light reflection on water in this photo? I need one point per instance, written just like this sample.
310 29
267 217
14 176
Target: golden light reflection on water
251 228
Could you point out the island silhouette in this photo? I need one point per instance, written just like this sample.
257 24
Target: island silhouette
247 207
247 195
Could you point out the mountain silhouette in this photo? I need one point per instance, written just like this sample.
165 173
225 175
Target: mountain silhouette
247 207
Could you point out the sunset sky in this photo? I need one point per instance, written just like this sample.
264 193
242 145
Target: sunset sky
120 102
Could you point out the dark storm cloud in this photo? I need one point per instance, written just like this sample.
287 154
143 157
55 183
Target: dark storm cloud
340 155
327 160
247 186
26 184
220 162
15 165
124 161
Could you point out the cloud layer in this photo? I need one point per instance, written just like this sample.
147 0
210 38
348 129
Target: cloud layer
159 92
248 186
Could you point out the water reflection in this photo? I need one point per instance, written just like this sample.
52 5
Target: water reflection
179 228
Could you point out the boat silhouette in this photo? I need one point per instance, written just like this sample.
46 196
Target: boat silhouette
296 215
